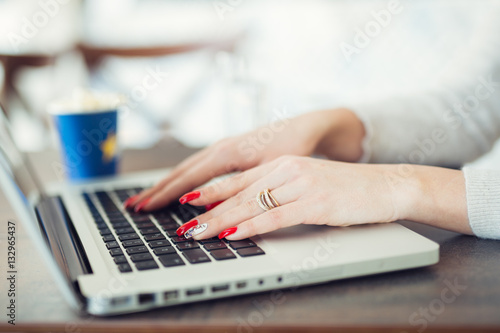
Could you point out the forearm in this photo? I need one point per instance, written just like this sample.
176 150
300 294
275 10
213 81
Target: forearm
342 135
432 195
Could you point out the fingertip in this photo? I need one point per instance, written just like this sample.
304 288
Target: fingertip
213 205
190 196
227 232
141 206
129 203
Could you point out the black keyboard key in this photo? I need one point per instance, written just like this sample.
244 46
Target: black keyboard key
144 225
116 252
148 231
198 209
179 239
187 246
122 191
134 214
171 232
152 237
170 260
120 259
144 265
132 242
183 213
124 268
114 220
167 220
209 240
126 237
112 245
137 249
159 243
108 238
117 225
114 215
105 232
223 254
164 250
101 225
215 246
196 256
141 257
170 225
242 244
250 251
97 218
163 213
127 230
141 218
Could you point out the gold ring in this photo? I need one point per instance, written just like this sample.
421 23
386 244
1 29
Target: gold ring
266 200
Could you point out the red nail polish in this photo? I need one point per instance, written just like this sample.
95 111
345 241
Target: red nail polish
130 201
185 227
213 205
141 205
227 232
189 196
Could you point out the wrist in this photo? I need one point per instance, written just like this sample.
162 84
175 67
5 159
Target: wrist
432 195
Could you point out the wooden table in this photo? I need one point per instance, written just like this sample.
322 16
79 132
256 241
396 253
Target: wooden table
459 294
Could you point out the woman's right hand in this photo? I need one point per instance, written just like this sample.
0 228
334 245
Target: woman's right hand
337 134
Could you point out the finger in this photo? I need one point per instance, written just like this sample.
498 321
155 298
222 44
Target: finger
229 187
277 218
272 180
210 167
242 212
175 173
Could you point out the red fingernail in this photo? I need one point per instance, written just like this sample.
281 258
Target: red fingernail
213 205
189 196
227 232
185 227
130 201
141 205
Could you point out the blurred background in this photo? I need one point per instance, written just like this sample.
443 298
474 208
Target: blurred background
199 70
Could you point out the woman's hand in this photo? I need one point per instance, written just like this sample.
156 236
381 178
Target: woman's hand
336 134
309 191
316 191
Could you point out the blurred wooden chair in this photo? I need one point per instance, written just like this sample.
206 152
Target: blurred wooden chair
12 63
94 54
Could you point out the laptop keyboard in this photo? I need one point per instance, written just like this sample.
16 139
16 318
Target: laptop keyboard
138 241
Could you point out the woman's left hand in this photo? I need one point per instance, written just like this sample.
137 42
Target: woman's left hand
308 190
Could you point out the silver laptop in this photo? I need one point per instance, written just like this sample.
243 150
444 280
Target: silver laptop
107 260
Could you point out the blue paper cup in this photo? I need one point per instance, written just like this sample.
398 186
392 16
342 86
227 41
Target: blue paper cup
88 140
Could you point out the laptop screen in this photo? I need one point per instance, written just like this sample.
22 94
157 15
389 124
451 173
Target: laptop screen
19 184
15 163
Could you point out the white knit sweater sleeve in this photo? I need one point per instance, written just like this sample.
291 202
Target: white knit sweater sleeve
483 201
447 128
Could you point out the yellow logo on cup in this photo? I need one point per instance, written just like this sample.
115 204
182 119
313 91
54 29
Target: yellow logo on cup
108 148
